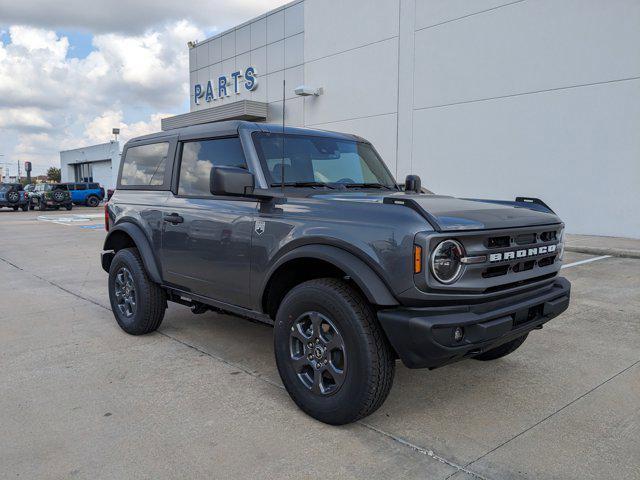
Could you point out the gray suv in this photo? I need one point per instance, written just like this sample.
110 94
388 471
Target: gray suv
308 231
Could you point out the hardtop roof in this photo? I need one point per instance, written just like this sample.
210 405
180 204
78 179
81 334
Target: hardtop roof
231 127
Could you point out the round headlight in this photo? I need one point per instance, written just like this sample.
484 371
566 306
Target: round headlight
445 261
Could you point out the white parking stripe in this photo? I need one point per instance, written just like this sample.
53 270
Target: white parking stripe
588 260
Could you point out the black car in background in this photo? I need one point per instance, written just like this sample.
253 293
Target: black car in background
12 195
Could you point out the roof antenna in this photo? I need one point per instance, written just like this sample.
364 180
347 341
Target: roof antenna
282 163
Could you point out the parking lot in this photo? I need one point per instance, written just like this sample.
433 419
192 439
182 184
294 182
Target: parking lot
202 397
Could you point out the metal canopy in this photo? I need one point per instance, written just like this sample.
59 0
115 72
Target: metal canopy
240 110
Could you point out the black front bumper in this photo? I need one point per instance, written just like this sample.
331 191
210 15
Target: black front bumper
424 337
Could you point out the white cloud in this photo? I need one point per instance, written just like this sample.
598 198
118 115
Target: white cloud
130 16
79 101
138 67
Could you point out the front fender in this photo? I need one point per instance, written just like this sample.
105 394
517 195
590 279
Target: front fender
367 280
114 241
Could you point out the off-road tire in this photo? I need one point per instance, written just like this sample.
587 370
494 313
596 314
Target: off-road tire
93 201
13 196
15 209
68 206
370 362
25 207
42 206
151 300
503 350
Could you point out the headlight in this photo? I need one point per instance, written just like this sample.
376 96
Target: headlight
446 264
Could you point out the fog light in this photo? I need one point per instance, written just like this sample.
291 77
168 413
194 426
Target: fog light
458 333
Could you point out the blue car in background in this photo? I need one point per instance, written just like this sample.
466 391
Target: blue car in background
85 193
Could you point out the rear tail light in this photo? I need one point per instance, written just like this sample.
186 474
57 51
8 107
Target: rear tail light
106 216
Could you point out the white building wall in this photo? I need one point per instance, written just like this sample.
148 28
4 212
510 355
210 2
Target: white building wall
104 158
488 99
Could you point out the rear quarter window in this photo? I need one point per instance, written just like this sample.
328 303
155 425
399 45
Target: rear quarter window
145 165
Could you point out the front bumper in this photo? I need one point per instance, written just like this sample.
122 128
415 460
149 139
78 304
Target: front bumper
423 337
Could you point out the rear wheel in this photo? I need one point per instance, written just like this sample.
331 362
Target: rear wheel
42 205
15 209
93 201
503 350
137 303
331 353
25 207
68 206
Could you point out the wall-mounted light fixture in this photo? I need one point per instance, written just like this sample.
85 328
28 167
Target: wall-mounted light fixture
306 91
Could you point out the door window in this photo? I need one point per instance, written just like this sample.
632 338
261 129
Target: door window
145 165
197 159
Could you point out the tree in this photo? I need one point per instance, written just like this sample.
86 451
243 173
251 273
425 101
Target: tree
53 174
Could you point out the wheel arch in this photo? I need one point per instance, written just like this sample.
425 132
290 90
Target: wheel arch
127 235
317 261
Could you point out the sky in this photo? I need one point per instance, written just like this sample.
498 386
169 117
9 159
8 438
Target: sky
71 71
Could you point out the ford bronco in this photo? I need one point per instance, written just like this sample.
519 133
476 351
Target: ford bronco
308 231
14 196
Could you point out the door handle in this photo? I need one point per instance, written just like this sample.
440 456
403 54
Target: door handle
174 218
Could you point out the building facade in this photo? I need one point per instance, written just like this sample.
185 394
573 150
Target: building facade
484 99
95 163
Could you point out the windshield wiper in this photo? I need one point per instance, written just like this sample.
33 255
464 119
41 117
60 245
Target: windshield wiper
303 184
367 185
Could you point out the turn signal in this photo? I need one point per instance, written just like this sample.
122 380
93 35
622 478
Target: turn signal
106 217
417 259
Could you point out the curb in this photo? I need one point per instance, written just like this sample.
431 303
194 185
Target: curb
614 252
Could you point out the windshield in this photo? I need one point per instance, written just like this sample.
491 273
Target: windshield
309 160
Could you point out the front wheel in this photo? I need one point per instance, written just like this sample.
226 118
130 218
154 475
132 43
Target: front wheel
25 207
68 206
503 350
137 302
42 206
331 353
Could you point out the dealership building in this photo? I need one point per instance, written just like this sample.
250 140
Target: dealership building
483 99
95 163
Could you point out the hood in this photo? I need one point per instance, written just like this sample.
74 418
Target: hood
453 214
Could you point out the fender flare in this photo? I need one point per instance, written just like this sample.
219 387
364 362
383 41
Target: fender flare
367 280
142 244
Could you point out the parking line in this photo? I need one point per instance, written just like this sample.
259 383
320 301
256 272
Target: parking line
588 260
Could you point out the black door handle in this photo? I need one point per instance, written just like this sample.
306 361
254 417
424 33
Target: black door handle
173 218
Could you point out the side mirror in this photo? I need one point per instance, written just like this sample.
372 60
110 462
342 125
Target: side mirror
231 181
413 184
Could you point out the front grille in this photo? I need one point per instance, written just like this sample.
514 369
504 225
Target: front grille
512 258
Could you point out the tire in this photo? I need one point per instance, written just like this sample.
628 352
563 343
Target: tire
93 201
503 350
68 206
366 358
13 196
42 206
15 209
149 300
25 207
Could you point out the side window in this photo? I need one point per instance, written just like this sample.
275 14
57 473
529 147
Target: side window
80 186
198 158
72 186
93 186
144 165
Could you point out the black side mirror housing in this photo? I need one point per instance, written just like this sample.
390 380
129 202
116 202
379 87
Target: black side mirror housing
413 184
231 181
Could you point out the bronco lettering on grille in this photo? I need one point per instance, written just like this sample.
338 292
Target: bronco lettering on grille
524 253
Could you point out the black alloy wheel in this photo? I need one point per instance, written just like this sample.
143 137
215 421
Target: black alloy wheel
125 292
318 353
